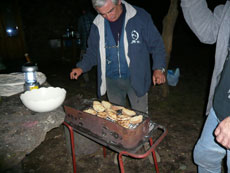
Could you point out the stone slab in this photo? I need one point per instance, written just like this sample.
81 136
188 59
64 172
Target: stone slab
22 130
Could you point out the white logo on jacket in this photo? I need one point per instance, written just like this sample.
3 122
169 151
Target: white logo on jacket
135 37
229 93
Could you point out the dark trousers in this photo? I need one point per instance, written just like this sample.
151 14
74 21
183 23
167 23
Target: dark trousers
119 89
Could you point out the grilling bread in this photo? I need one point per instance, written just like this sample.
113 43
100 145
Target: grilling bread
105 109
128 112
102 115
123 117
97 106
136 119
116 108
112 115
111 110
124 123
96 103
90 111
106 104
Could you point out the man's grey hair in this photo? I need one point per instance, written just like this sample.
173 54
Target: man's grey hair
101 3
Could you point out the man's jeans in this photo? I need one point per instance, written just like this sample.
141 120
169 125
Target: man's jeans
208 154
117 91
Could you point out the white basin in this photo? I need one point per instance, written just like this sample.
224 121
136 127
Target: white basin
43 99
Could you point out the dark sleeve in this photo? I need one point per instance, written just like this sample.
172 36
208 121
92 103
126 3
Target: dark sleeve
90 59
155 45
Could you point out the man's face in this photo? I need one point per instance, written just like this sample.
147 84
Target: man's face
110 11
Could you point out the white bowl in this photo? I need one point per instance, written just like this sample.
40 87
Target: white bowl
43 99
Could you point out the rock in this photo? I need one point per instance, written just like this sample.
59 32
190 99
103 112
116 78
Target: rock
22 130
83 145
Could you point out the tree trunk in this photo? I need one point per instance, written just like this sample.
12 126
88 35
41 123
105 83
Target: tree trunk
167 35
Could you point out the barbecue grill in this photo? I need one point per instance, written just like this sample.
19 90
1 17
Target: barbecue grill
125 141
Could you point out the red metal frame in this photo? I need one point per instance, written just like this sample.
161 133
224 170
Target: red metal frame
138 156
72 146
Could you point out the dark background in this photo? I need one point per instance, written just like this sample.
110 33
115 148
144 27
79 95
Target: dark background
43 21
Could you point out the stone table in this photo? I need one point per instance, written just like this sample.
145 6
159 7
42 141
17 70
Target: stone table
22 130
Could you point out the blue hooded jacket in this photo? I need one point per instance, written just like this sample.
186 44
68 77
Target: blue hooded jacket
141 38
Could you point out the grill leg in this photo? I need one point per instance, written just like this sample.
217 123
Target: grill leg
104 151
72 146
154 156
121 163
139 156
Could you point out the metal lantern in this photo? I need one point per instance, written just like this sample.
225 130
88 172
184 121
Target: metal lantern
30 76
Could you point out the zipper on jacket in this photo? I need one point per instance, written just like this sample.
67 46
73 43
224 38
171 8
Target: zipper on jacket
118 56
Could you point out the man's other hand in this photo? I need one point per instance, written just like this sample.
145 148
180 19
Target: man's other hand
222 133
76 72
158 77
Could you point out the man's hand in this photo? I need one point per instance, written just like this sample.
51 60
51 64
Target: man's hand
158 77
76 72
222 133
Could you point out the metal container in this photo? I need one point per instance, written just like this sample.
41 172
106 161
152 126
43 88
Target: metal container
29 69
109 132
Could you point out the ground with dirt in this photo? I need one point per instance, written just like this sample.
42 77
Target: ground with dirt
182 113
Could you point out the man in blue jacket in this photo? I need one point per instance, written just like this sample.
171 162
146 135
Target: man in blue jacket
213 27
121 39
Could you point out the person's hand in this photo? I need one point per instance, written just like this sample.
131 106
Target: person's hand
158 77
222 133
76 72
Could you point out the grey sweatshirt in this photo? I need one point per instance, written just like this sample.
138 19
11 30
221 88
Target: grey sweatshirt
210 27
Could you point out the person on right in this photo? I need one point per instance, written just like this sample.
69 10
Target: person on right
213 27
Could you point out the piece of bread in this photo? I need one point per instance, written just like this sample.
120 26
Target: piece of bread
106 104
90 111
111 110
116 108
96 102
136 120
124 123
98 107
102 115
128 112
112 115
123 117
